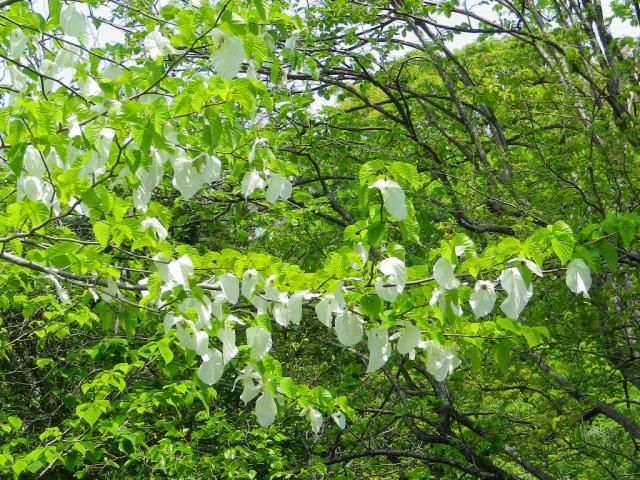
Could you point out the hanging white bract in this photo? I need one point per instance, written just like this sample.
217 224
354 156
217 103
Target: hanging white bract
483 298
259 341
518 294
408 339
212 366
441 361
157 45
348 328
227 335
393 197
379 348
443 274
156 227
439 298
73 22
579 277
252 181
266 409
149 179
230 286
229 54
395 276
188 179
279 187
529 264
176 272
250 279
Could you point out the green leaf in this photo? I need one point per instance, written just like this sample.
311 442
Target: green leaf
369 170
609 253
405 173
375 232
90 412
165 350
502 354
562 241
261 8
288 387
533 337
475 356
15 422
54 12
102 233
627 229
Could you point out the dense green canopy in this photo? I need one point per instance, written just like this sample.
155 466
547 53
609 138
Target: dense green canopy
263 239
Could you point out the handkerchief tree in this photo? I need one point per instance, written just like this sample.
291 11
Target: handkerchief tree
262 239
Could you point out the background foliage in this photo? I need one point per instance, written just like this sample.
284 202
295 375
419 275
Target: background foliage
147 152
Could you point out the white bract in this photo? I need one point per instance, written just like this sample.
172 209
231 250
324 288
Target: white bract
439 297
53 160
230 286
395 274
270 292
89 87
69 55
379 348
33 163
393 197
149 179
315 417
289 309
348 328
443 274
188 179
259 341
266 409
518 294
18 79
261 305
72 21
483 298
363 254
325 309
229 55
579 277
252 181
279 187
258 142
157 45
250 389
156 226
171 320
441 361
176 272
99 157
190 337
17 41
212 366
202 307
250 278
280 310
227 336
31 187
408 339
340 420
529 264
